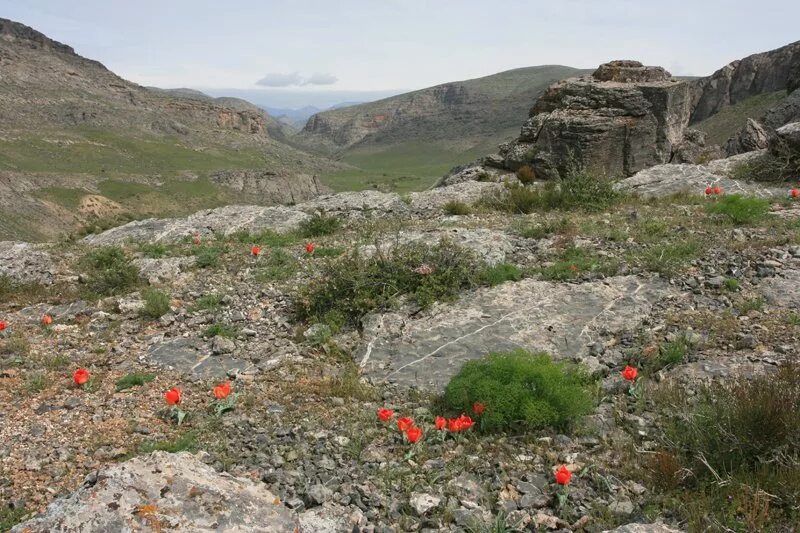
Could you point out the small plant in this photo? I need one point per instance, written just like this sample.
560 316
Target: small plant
207 302
153 250
221 330
187 442
207 256
225 399
543 229
156 304
319 225
740 209
520 390
500 273
279 265
173 398
731 284
575 261
456 207
110 271
667 258
134 379
525 175
750 304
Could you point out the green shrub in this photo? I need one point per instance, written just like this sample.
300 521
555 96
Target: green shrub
207 302
497 274
525 175
10 516
456 207
208 256
277 265
186 442
740 209
327 251
135 379
667 258
156 303
110 271
520 391
575 261
153 250
319 225
768 167
354 285
221 330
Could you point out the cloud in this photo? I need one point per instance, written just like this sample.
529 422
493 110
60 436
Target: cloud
295 79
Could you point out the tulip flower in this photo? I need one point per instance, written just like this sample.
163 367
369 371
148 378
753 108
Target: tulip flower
80 377
222 390
3 325
384 415
413 434
465 422
47 320
453 425
404 424
196 238
173 396
794 193
310 247
717 190
563 475
630 373
441 422
255 250
709 190
478 408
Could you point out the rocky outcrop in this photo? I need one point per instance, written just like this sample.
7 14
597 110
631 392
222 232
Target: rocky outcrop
621 119
164 491
265 186
756 74
754 136
27 263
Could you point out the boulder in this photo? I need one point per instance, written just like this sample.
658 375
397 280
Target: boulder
643 528
164 491
790 136
753 136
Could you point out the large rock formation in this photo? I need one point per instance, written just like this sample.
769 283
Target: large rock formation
621 119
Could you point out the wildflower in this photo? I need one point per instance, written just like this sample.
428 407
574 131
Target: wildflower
80 377
173 396
384 415
405 423
794 193
196 238
424 270
709 190
222 390
563 475
413 434
255 250
3 325
630 373
478 408
47 320
441 422
310 247
465 422
454 425
717 190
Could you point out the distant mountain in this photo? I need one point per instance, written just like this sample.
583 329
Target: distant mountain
297 118
80 143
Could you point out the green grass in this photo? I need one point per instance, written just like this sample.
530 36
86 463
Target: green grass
497 274
721 126
740 210
10 517
207 302
156 304
276 265
667 258
575 261
135 379
110 271
186 442
221 330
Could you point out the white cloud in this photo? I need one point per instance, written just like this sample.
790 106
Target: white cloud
295 79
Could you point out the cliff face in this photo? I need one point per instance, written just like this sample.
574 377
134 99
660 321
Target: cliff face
266 187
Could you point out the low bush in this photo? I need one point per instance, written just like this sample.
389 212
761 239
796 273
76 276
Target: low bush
207 256
109 271
575 261
500 273
277 265
319 225
520 390
456 207
354 285
156 303
135 379
220 330
207 302
769 167
525 175
544 229
740 209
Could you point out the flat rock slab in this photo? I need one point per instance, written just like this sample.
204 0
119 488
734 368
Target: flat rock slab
782 290
193 357
58 312
489 245
665 180
26 262
222 221
165 492
560 319
357 204
432 201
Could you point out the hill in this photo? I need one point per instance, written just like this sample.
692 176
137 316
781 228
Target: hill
76 133
411 138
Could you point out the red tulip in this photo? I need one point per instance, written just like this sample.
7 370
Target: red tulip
441 422
405 423
454 425
709 191
222 390
196 238
717 190
563 475
255 250
80 377
310 247
3 325
173 396
478 408
413 434
794 193
465 422
630 373
47 320
384 415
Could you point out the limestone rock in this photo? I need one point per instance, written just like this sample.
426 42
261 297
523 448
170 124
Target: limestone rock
643 528
432 201
753 136
26 262
164 491
157 270
270 187
357 204
790 135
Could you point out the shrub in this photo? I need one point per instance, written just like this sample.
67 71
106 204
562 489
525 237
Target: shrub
134 379
208 256
153 250
353 285
318 225
740 209
221 330
455 207
278 265
207 302
497 274
525 175
575 261
156 303
109 271
520 391
769 167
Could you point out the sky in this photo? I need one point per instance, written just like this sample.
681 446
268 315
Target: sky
292 53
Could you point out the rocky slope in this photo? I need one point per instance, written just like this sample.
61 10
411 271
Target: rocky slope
70 125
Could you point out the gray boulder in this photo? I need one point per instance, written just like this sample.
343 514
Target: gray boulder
753 136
